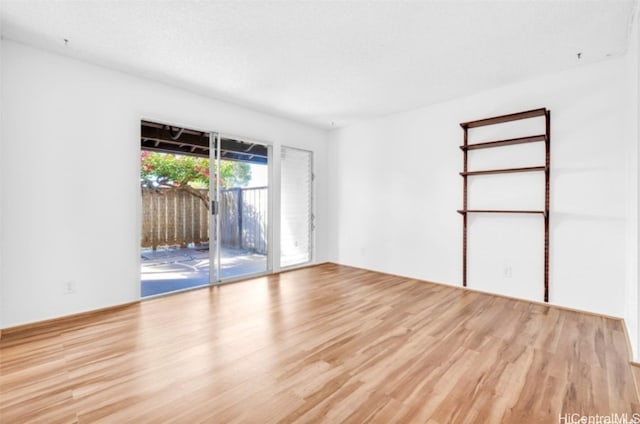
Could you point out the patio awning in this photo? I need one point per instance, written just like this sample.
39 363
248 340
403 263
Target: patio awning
170 139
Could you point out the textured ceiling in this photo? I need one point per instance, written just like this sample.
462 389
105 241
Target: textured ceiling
320 62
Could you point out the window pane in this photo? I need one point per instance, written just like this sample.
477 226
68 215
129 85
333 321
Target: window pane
296 206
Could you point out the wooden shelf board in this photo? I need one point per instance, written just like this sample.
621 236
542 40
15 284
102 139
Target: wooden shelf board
504 118
462 211
505 171
508 142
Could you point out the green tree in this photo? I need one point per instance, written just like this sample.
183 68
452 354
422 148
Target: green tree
190 174
234 174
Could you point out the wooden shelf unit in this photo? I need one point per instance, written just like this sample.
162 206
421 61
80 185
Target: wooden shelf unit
466 147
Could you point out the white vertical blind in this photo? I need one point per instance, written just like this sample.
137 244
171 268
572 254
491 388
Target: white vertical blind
296 207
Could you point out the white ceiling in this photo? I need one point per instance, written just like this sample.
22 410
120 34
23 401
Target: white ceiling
320 62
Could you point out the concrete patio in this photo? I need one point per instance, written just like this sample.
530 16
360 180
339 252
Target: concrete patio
171 269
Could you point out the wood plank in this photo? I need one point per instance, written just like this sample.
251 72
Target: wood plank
504 118
635 369
323 344
507 142
462 211
505 171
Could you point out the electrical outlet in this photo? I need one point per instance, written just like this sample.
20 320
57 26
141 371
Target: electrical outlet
69 287
508 272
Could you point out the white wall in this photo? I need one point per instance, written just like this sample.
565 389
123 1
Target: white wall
70 176
395 189
631 289
1 196
635 51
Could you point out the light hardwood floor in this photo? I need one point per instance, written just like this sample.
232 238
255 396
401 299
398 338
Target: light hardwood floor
323 344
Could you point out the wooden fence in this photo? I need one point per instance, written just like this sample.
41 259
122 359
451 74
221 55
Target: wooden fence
173 217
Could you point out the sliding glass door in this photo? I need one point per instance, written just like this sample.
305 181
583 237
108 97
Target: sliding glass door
296 207
204 208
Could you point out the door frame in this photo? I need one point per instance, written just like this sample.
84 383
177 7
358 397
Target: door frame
214 211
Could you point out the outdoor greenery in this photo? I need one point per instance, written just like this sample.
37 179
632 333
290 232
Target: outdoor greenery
188 173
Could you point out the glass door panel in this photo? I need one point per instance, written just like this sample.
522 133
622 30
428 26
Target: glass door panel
243 199
174 178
